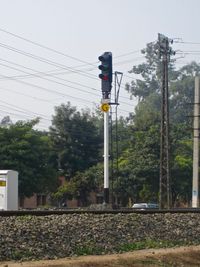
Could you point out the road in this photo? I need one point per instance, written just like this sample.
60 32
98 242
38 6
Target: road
182 256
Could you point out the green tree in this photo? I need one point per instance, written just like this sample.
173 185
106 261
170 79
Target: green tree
139 166
29 152
81 184
147 115
6 121
182 94
76 139
182 172
147 88
150 73
88 181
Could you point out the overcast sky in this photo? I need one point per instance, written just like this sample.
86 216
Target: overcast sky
79 31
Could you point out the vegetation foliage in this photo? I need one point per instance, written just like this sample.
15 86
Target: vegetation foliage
73 147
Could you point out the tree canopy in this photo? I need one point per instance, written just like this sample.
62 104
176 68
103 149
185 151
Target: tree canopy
29 152
76 139
74 143
147 118
136 170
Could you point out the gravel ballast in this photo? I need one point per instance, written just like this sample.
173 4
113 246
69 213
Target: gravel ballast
57 236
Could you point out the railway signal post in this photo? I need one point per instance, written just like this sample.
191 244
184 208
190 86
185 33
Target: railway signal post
106 86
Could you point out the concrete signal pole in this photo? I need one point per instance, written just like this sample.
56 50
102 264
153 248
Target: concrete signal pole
106 86
106 156
195 183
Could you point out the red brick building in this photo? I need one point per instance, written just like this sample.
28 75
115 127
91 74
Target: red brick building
41 200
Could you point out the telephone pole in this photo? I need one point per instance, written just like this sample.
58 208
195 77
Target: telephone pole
165 52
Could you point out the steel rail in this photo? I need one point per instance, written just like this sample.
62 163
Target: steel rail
7 213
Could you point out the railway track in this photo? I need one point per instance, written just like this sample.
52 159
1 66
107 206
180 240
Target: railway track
7 213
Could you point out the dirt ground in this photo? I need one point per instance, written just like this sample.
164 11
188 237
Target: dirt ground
182 256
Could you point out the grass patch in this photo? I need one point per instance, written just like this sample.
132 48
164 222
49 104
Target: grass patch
155 263
148 244
91 249
18 255
25 218
150 263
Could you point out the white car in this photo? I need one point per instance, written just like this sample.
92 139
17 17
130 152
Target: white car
140 206
143 206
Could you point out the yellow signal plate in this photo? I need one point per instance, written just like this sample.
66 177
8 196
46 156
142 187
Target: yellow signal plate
2 183
105 107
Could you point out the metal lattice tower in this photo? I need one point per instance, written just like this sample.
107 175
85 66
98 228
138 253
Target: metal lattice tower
165 184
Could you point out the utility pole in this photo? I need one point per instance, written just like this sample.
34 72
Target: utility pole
165 52
195 182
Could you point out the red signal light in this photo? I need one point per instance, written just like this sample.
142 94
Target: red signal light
105 78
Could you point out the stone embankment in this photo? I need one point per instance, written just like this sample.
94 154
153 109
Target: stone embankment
50 237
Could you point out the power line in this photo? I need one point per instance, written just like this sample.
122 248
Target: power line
127 54
52 91
129 77
17 115
40 99
181 42
50 73
126 111
45 47
63 84
40 74
29 96
129 60
26 116
37 75
44 60
190 51
47 61
19 109
48 90
62 53
53 50
59 52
